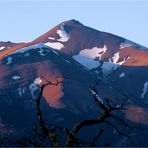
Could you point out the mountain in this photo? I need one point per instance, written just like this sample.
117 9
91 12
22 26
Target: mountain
77 55
6 45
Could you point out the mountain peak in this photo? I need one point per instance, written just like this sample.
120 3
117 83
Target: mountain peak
87 57
72 22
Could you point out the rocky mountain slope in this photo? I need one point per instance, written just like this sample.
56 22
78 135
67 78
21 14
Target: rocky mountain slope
77 55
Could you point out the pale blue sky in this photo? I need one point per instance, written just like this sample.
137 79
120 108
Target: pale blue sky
25 20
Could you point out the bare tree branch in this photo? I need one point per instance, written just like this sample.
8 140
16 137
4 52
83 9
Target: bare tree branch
108 110
50 135
97 137
107 113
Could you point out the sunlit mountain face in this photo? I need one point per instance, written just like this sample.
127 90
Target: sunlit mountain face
77 56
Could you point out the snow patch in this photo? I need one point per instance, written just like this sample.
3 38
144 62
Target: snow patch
123 45
67 61
37 81
96 95
22 50
15 77
86 61
27 54
51 38
64 37
122 75
41 52
34 86
55 45
115 58
145 89
87 57
124 60
1 48
108 68
101 51
54 52
114 131
129 43
21 91
93 52
96 71
9 60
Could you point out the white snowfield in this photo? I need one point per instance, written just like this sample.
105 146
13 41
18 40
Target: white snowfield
51 38
101 51
27 54
108 68
9 60
94 52
34 86
122 75
41 52
145 89
127 43
1 48
15 77
54 51
37 81
67 61
124 60
115 58
55 45
87 57
21 91
22 50
64 36
86 61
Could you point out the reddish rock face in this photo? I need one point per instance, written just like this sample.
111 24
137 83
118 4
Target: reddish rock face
7 45
80 38
25 67
137 114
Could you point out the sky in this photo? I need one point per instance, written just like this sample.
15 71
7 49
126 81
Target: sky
25 20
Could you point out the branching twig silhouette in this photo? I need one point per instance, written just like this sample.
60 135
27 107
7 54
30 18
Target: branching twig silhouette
108 113
50 134
95 139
